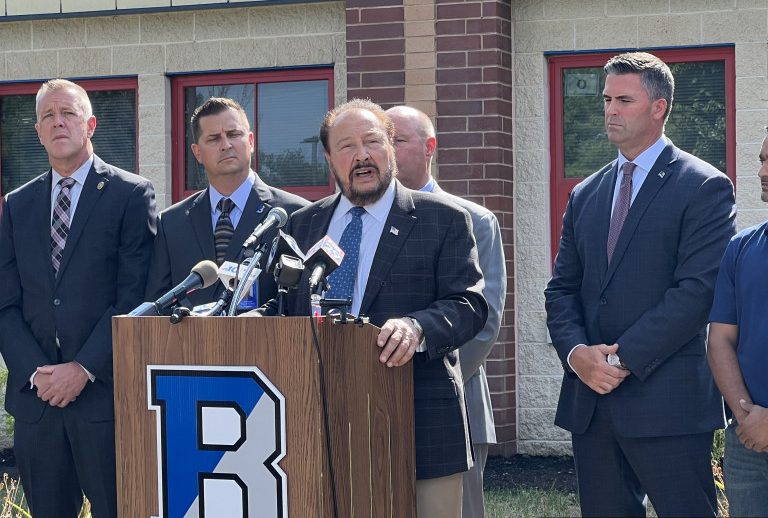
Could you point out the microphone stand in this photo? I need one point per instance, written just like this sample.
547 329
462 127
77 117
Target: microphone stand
260 251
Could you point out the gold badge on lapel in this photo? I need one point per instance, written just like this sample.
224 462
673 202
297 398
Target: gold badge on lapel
100 185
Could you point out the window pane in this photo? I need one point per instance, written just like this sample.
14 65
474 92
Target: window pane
586 147
290 114
697 121
195 178
24 158
696 124
115 137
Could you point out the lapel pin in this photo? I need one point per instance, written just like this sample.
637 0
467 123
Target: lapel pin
394 231
100 185
662 174
261 209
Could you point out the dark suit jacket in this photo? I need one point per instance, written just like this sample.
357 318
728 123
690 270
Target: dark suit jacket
185 237
427 269
102 273
653 299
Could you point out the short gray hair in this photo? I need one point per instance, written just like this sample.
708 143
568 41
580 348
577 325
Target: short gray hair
655 75
83 102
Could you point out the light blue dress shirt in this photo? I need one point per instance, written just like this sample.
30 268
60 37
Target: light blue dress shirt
373 225
644 162
239 198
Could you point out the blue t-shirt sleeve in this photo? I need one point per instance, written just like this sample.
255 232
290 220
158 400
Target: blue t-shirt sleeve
724 304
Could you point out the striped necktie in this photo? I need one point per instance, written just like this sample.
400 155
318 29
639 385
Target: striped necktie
224 229
621 208
60 222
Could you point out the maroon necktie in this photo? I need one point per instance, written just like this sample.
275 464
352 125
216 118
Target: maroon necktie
621 208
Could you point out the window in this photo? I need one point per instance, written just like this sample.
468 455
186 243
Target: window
702 120
285 110
23 158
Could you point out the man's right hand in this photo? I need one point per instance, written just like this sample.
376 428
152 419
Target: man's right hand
590 363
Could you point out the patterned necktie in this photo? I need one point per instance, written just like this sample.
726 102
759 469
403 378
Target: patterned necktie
60 222
621 208
342 280
224 229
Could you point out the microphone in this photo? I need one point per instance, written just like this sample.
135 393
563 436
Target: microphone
204 274
214 308
283 244
324 257
275 217
229 271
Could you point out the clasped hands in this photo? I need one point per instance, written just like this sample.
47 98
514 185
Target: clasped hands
590 363
59 385
752 430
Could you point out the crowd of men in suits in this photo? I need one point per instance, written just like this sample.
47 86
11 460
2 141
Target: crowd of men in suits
627 304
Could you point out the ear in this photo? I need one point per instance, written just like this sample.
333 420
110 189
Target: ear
431 145
659 108
251 139
196 152
91 124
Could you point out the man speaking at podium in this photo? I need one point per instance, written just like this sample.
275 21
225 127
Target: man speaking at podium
411 265
214 223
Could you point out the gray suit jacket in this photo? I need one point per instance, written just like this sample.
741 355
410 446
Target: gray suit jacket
472 355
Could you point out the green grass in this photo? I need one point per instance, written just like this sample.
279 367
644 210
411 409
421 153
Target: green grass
13 504
523 503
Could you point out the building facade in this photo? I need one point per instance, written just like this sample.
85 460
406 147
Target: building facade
514 89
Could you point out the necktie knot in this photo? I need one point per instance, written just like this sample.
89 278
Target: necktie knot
66 183
225 205
357 212
628 168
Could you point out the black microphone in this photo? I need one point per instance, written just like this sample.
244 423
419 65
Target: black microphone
324 257
204 274
275 217
283 244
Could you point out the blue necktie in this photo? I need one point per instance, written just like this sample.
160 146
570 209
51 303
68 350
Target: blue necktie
342 280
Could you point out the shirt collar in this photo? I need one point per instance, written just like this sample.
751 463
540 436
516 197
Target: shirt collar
430 185
647 158
239 197
378 209
80 174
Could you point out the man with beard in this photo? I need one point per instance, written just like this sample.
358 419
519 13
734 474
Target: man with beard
411 265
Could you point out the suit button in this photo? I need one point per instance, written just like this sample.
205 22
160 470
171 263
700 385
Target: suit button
57 302
603 301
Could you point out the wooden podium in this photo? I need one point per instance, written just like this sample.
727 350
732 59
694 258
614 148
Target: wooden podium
370 409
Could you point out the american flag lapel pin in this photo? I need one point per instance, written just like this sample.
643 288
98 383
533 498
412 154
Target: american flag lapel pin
662 174
394 231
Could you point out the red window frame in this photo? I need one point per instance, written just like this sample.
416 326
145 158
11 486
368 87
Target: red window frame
90 85
560 186
179 124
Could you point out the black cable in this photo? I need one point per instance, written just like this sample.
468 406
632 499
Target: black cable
326 426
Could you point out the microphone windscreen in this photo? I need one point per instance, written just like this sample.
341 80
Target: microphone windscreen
208 271
281 215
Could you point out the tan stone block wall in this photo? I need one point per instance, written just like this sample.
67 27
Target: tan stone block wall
560 25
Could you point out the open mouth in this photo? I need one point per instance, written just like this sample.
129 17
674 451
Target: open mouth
364 173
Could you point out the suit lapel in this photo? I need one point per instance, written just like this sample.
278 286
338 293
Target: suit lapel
254 213
200 220
604 202
40 218
657 177
96 183
402 219
318 225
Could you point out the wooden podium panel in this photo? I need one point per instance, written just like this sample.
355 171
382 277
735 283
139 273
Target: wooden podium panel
370 409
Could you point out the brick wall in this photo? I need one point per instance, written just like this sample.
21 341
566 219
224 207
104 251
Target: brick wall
474 127
376 51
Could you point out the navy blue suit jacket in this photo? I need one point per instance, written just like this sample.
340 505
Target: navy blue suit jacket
653 299
102 273
426 268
